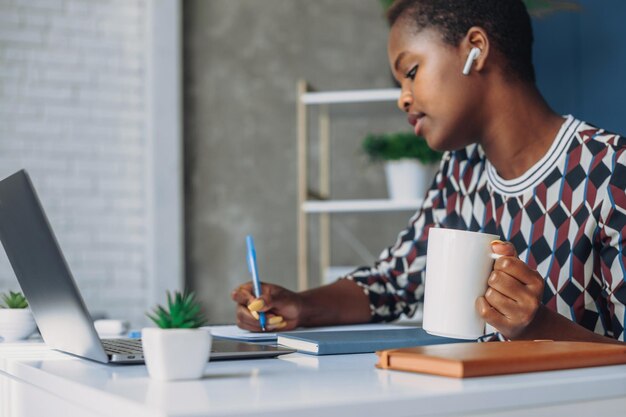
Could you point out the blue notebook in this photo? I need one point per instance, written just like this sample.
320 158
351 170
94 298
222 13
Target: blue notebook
359 341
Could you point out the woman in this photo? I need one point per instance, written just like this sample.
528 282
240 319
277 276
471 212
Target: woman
551 186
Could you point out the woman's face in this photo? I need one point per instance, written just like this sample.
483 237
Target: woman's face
440 101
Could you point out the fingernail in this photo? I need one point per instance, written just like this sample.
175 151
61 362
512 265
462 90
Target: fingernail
256 305
275 320
498 242
277 326
255 314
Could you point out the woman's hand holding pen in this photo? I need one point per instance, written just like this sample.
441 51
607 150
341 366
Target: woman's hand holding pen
513 298
282 307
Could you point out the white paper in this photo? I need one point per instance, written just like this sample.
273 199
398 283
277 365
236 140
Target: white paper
231 331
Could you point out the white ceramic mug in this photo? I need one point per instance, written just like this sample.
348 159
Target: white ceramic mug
458 265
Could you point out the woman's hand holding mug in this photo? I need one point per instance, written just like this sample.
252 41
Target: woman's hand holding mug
514 293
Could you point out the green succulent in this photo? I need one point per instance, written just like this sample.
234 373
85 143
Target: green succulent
14 300
402 145
183 312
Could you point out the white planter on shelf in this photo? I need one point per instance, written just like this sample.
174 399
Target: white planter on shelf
408 179
16 324
175 354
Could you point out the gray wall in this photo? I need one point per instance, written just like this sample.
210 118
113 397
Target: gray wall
73 112
242 60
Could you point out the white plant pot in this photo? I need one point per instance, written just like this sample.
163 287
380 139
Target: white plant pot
408 179
16 324
174 354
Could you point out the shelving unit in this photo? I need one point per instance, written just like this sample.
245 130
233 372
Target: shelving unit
318 202
359 206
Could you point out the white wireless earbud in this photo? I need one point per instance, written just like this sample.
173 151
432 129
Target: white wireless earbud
474 53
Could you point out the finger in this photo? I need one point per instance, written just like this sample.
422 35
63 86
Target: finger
503 248
490 314
274 320
282 326
501 303
246 321
507 285
279 326
517 268
261 305
271 318
256 304
242 294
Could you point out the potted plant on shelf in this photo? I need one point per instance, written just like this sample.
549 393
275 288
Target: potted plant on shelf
409 163
16 319
177 348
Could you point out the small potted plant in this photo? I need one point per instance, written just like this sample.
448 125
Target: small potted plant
409 163
16 319
177 348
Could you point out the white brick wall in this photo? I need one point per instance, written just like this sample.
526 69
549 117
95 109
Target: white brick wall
73 113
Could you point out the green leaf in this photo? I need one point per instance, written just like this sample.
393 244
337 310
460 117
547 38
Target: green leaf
169 300
183 311
14 300
154 319
394 146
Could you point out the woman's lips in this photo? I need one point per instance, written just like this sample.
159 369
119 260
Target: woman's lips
415 120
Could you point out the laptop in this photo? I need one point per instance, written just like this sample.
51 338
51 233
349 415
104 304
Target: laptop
57 305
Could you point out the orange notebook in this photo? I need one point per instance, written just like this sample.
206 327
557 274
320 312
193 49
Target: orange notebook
463 360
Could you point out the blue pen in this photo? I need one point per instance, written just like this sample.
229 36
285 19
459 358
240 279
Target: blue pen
255 275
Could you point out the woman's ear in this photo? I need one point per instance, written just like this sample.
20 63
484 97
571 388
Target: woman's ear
476 38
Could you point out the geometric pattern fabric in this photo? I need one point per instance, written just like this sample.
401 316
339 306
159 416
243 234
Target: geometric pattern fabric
566 216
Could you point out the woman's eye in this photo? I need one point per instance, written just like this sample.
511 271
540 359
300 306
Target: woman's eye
411 73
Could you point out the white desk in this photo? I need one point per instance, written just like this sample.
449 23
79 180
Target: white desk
35 381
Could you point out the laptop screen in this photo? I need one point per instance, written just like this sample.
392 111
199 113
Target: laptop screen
43 273
47 283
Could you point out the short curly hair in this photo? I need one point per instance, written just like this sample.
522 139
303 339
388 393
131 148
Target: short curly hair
507 23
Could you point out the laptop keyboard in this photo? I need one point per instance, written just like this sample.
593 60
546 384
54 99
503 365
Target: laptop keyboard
122 346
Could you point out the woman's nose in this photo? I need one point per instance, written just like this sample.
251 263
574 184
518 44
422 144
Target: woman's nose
405 101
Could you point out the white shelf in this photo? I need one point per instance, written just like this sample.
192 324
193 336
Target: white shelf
307 205
351 96
357 206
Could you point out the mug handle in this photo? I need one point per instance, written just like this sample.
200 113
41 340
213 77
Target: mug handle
495 256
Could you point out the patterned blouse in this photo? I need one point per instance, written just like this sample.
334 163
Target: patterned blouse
566 216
